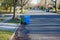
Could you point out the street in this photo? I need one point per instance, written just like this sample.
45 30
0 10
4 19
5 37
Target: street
44 26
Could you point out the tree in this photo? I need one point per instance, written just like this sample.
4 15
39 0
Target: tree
28 5
22 3
45 4
7 4
10 3
56 7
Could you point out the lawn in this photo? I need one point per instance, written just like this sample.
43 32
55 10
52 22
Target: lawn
1 19
58 12
5 35
13 21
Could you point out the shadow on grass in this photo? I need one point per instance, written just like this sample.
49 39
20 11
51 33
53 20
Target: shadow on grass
58 12
13 21
1 19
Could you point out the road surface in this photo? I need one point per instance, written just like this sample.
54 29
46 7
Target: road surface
43 26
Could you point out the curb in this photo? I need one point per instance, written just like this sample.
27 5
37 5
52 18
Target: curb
12 37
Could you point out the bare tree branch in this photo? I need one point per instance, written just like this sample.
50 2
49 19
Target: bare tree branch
23 2
26 2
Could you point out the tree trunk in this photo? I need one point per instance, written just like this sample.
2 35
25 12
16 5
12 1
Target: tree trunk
14 14
10 9
45 4
56 6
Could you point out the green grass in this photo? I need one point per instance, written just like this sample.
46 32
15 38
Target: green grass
5 35
13 21
1 19
58 12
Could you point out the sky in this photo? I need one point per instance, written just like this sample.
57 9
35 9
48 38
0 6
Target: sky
35 1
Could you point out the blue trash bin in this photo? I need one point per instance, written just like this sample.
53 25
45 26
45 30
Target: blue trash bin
47 10
26 19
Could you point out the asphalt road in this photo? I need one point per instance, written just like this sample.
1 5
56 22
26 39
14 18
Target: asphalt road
44 27
44 24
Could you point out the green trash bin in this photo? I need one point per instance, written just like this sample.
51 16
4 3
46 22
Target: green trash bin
22 19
